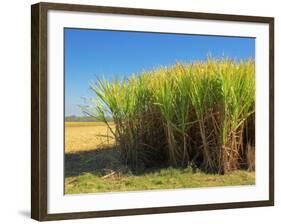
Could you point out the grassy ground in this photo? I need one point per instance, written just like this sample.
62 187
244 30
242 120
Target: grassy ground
90 168
168 178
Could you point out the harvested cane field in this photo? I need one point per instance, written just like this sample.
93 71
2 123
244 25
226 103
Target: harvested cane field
82 136
188 125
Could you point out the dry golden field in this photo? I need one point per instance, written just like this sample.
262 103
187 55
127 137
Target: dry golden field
83 136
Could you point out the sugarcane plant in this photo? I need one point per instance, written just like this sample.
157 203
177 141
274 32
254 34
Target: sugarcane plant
189 113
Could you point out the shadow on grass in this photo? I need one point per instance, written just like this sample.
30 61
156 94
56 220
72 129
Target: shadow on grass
101 162
98 162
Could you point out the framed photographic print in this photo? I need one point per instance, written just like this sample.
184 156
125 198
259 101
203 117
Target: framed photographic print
140 111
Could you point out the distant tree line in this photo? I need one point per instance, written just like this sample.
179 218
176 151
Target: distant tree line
81 118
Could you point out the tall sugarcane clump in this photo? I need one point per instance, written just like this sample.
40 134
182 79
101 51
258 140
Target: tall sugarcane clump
200 113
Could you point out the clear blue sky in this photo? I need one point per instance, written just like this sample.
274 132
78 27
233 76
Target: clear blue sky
99 53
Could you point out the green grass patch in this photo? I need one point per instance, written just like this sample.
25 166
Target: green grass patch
166 178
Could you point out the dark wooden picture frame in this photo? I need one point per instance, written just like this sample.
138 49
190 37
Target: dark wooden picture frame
39 107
